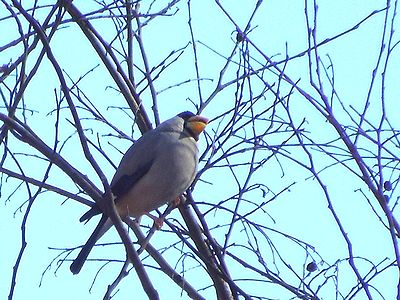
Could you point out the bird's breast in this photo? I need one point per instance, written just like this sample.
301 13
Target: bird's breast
170 175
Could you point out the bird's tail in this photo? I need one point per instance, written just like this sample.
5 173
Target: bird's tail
94 210
101 228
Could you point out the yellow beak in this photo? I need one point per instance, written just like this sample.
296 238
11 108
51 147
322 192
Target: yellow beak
197 124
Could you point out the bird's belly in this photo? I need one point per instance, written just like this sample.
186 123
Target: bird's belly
159 186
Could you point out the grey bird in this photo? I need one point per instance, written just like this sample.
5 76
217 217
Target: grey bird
154 171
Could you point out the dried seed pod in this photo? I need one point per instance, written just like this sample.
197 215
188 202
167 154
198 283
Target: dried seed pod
387 185
312 266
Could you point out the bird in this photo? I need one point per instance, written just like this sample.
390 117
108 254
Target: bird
154 171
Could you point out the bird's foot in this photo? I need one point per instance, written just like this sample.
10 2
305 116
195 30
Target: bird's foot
176 202
158 221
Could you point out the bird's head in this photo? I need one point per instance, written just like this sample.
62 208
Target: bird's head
195 124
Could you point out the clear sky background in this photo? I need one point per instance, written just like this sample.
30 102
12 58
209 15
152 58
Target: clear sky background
301 212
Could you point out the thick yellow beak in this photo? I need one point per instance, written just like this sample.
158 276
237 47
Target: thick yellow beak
197 124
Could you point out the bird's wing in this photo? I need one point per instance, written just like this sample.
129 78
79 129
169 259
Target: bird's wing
128 180
136 162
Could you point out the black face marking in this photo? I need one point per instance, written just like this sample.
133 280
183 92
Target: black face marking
186 115
192 134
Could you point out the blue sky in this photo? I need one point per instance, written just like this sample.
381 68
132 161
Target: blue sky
300 212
